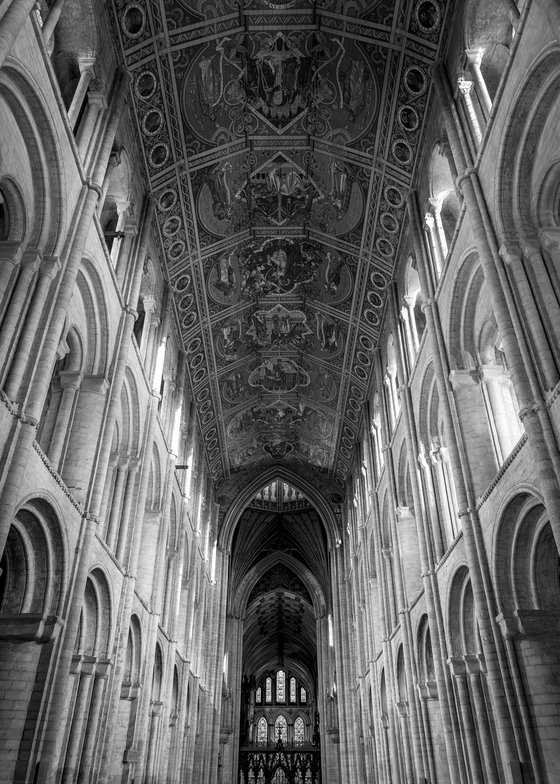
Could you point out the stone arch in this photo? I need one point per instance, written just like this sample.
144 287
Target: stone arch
469 280
34 562
488 27
517 208
45 214
462 624
99 333
13 211
520 555
315 492
443 195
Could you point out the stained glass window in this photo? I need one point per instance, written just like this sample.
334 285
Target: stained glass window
262 730
281 729
280 686
268 690
303 695
299 730
258 695
293 690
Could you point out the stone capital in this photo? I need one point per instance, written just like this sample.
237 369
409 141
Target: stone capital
70 379
457 666
50 267
10 252
475 55
463 379
464 86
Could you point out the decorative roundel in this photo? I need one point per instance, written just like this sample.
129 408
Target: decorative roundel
348 432
355 405
366 343
336 499
345 452
152 122
363 358
193 347
347 442
196 360
188 320
167 199
415 81
357 392
375 299
213 444
352 416
361 372
389 222
203 395
145 85
171 226
205 406
199 375
339 479
384 246
408 118
176 250
133 20
182 283
402 151
207 418
372 318
378 280
214 453
186 302
158 155
427 15
394 196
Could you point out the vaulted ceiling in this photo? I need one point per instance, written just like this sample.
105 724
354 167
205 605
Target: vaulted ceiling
280 140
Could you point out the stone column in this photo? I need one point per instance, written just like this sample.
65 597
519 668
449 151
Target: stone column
86 75
93 730
474 56
495 380
512 255
410 303
11 23
123 537
70 383
96 104
51 21
48 270
15 312
115 516
79 719
459 672
437 252
475 672
465 88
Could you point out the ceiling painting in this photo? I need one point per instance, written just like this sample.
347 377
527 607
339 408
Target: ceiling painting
280 141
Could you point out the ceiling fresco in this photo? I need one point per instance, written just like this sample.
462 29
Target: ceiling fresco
280 140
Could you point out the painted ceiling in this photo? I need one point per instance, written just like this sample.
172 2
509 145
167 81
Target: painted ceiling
280 140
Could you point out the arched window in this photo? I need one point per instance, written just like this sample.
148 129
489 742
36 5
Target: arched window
280 686
299 730
293 690
262 730
258 695
281 729
302 696
268 690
